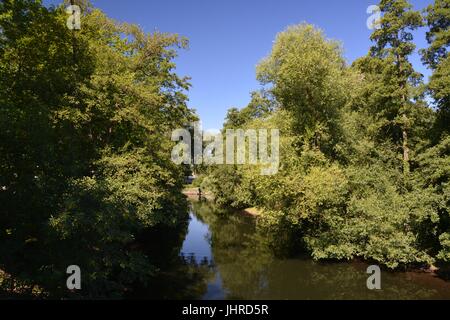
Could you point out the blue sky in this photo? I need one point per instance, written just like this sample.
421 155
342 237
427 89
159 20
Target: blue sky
229 37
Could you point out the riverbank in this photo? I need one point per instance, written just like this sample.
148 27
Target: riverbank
254 212
193 193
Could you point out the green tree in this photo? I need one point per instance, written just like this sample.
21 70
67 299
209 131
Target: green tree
436 57
437 18
85 157
393 45
260 106
307 77
340 192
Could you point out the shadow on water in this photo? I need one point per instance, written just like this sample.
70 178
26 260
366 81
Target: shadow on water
226 256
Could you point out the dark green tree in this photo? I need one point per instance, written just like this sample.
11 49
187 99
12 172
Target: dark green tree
437 17
85 147
393 46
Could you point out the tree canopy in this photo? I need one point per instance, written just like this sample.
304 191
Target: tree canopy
85 166
364 157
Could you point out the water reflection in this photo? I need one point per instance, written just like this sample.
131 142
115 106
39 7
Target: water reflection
197 243
179 276
225 256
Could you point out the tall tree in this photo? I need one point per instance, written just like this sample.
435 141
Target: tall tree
393 45
436 57
437 18
306 72
435 162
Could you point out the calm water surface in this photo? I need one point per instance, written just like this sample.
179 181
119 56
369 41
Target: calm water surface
225 257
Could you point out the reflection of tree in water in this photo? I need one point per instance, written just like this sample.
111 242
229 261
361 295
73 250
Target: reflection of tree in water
306 279
250 266
240 254
178 276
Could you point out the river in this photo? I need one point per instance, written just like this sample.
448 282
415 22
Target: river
223 256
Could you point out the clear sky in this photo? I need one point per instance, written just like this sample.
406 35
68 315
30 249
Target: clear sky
229 37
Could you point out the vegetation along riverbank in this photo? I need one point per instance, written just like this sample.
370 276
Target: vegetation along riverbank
87 176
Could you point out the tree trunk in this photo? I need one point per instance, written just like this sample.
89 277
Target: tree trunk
404 125
405 147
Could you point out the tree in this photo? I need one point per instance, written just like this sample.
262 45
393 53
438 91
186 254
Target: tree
302 68
340 192
85 155
437 18
436 57
393 45
260 106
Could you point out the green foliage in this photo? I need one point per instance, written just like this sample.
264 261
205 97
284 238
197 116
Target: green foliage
433 177
85 167
392 47
438 20
307 76
436 57
260 106
85 150
344 190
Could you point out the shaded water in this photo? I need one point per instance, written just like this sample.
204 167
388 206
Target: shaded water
225 257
